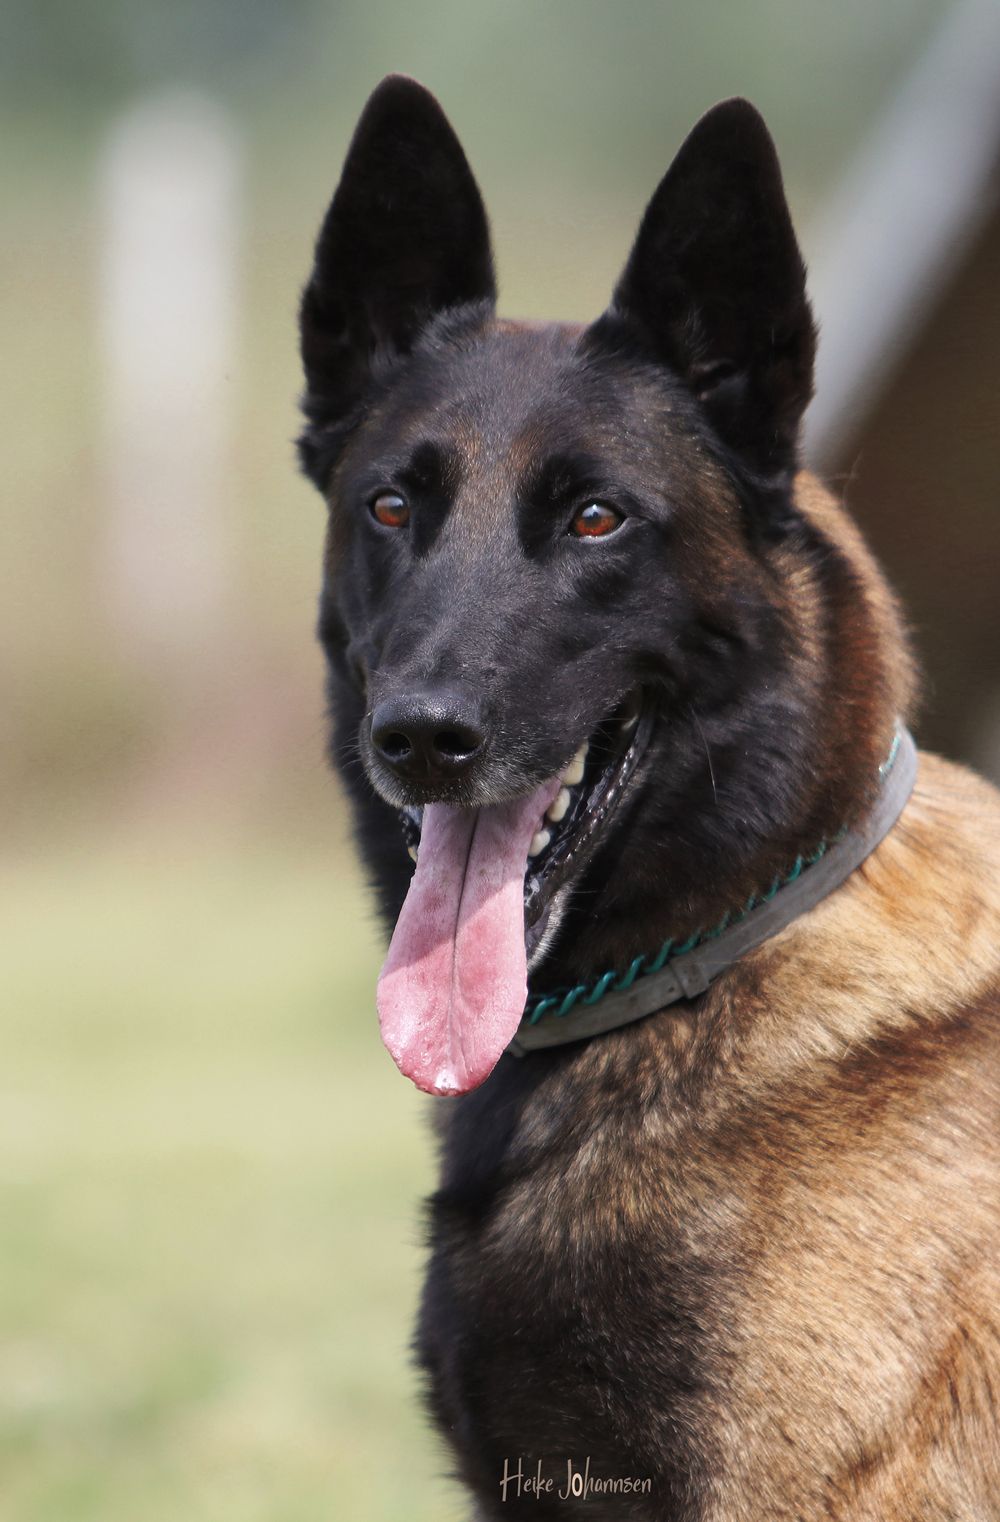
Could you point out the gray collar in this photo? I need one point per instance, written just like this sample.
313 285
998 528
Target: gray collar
689 972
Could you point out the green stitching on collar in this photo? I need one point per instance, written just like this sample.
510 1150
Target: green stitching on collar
558 1002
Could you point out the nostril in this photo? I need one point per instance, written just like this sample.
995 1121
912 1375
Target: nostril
394 746
456 744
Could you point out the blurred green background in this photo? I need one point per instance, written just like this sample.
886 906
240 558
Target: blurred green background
210 1171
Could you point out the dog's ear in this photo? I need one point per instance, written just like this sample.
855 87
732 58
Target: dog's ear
405 238
715 286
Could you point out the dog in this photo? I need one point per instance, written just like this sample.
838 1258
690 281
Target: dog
702 961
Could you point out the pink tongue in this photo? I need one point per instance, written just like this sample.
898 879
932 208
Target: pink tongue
452 991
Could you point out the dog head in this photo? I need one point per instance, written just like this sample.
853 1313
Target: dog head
587 642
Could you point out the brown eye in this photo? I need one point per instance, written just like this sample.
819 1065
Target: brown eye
389 509
595 520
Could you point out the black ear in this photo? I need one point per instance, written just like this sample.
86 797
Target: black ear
405 238
715 285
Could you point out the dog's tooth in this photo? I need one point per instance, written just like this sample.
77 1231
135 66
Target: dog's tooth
539 841
411 851
574 772
629 724
557 808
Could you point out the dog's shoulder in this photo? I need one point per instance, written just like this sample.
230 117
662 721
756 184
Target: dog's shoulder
907 950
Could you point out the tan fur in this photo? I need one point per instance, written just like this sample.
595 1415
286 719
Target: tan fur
847 1145
874 1178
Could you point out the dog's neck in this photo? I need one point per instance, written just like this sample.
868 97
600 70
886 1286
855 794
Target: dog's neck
683 970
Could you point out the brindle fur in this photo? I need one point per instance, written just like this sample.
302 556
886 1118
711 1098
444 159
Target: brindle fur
751 1248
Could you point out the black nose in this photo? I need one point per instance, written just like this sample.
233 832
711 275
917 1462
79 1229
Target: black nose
429 736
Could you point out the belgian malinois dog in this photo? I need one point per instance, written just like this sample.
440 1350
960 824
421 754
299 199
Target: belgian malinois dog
711 984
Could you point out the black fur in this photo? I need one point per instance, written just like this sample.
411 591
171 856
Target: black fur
716 284
681 407
405 237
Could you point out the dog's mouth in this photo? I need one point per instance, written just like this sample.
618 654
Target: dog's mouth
591 786
454 984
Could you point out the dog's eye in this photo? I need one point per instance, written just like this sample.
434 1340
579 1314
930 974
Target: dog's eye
389 509
595 520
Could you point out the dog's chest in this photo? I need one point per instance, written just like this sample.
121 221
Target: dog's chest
564 1329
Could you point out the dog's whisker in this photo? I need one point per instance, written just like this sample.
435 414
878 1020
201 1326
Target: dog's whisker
708 753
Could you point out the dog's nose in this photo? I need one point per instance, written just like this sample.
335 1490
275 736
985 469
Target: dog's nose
429 736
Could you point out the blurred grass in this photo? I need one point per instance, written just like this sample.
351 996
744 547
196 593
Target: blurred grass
210 1176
